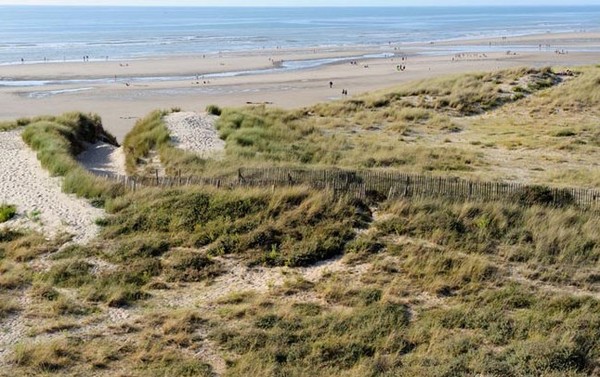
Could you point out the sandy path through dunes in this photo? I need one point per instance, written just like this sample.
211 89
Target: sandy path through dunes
41 204
103 159
196 133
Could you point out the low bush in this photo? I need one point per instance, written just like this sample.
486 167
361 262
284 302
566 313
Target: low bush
7 212
213 110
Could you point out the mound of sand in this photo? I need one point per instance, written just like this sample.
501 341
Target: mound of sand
195 133
41 204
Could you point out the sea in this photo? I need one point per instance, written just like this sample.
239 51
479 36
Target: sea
34 34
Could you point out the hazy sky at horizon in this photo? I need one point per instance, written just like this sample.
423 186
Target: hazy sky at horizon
302 2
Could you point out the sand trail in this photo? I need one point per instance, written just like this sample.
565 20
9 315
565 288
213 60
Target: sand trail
41 205
103 159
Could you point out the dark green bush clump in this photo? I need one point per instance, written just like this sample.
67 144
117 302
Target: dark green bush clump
213 110
7 212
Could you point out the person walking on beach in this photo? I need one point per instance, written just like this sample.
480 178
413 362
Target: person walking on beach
330 84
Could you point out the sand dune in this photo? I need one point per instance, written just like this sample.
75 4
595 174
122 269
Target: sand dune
195 133
41 204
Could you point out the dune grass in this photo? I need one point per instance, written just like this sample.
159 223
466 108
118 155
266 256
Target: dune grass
150 136
428 287
11 125
417 127
439 298
447 288
508 330
293 227
482 126
58 140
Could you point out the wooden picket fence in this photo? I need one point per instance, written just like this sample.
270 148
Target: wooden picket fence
380 185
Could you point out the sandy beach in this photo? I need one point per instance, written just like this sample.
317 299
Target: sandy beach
124 91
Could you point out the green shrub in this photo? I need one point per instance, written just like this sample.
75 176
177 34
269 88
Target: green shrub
213 110
7 212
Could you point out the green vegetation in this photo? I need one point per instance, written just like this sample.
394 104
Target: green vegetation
150 138
7 212
451 289
195 281
509 330
474 125
293 227
159 350
428 288
58 140
8 125
213 110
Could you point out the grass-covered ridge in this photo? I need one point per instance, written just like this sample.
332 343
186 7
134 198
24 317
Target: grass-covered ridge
58 140
150 139
502 126
293 227
355 131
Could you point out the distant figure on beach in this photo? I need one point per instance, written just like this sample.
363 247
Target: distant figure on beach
330 84
22 60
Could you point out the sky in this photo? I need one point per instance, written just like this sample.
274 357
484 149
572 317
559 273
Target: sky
302 2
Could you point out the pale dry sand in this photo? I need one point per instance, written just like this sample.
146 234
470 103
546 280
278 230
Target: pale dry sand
103 159
41 204
195 133
121 105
